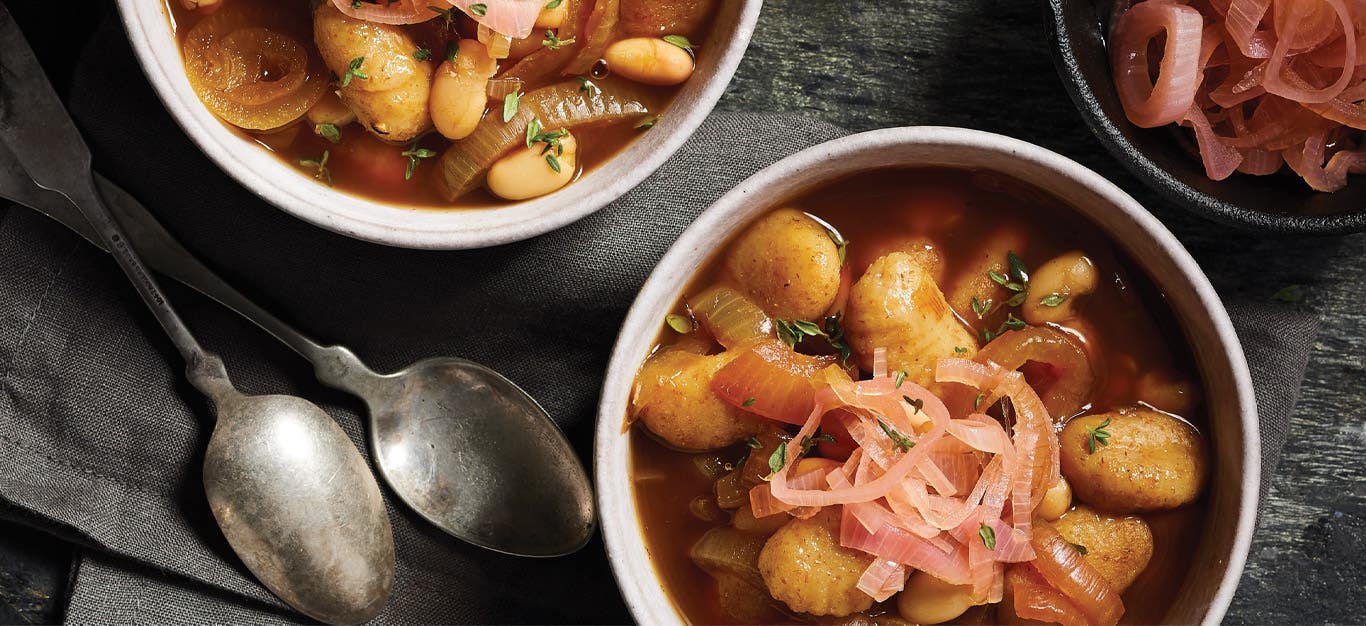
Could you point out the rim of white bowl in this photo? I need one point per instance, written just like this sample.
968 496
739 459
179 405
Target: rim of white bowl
148 28
619 519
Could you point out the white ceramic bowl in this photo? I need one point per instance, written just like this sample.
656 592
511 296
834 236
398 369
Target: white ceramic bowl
1233 495
288 188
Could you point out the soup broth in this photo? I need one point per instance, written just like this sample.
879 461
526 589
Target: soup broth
1125 328
408 172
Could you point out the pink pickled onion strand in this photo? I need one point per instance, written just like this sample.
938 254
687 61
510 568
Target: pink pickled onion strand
827 400
882 579
392 12
1270 76
897 545
1277 83
880 363
1260 162
1219 158
514 18
1307 161
1243 18
1147 104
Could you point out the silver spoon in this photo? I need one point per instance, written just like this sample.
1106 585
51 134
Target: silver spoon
462 445
291 493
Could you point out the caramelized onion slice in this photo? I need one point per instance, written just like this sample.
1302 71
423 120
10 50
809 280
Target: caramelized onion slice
249 68
771 380
562 105
1062 566
725 550
602 24
1068 377
731 318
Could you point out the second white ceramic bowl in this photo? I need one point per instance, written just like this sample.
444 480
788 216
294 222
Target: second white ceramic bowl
1233 494
148 28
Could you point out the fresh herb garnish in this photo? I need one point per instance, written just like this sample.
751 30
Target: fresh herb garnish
977 404
1016 278
1289 293
646 122
551 139
841 244
988 535
900 378
1053 299
810 442
902 441
1011 323
1017 268
480 9
778 459
835 334
415 154
452 51
1079 548
792 332
422 54
586 86
329 132
753 444
446 14
511 102
679 40
960 350
981 308
1097 434
680 323
748 402
916 403
554 4
319 164
353 71
553 41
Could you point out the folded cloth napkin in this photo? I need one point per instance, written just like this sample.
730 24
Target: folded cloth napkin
101 439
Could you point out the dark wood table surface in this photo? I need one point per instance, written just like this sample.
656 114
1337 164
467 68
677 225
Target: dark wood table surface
985 64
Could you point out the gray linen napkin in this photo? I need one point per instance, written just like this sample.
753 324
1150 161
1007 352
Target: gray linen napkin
101 440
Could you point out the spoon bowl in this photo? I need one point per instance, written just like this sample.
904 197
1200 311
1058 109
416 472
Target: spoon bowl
474 454
297 503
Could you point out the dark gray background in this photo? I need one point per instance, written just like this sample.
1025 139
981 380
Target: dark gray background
867 64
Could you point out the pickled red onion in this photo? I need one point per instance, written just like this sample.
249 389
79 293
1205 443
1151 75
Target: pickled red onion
1270 79
1150 105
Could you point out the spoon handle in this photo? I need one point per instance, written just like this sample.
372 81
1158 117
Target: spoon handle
335 365
35 126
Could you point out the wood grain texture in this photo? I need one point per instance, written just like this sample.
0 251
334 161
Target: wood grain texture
868 64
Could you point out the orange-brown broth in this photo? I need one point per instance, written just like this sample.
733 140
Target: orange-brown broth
365 166
1131 331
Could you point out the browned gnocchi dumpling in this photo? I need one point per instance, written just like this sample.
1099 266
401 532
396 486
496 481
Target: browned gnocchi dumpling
805 567
788 264
676 403
1119 547
1133 459
391 101
897 305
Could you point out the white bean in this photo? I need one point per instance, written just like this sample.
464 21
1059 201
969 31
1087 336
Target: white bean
1055 287
459 91
527 173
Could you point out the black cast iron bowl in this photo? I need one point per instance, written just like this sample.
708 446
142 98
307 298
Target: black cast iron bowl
1163 158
